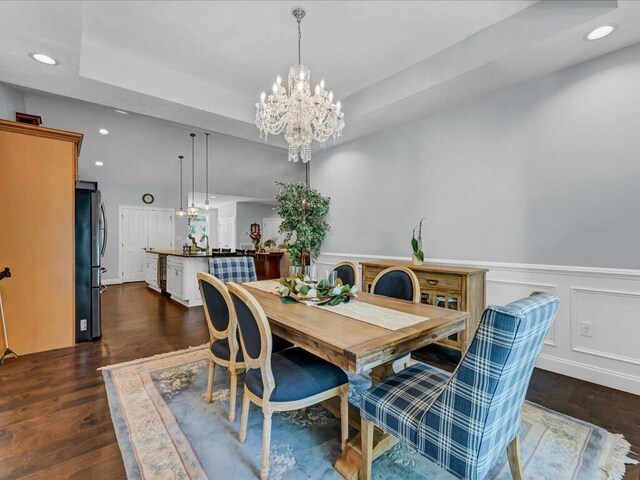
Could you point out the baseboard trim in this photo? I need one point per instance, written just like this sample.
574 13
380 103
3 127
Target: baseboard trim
111 281
590 373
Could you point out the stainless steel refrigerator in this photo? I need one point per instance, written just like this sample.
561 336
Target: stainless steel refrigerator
91 241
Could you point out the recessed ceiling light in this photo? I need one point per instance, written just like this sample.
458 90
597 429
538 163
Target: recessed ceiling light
104 131
600 32
99 164
42 58
122 112
213 196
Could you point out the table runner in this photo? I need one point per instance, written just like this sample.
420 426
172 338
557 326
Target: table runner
364 312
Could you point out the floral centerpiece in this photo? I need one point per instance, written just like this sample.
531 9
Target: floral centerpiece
301 289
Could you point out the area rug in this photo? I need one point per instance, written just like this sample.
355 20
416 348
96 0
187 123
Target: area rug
165 430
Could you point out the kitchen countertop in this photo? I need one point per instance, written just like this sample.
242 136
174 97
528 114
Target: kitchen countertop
179 253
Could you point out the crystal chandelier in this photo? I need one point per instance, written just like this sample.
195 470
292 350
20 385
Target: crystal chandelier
302 116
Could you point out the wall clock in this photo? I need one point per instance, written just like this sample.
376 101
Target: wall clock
147 198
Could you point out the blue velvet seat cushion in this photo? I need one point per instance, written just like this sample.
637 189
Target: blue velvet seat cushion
220 348
398 403
298 374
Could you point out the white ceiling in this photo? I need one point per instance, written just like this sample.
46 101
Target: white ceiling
242 46
142 150
204 63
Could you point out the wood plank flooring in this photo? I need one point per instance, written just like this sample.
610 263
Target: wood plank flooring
54 416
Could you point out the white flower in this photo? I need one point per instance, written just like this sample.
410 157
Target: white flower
312 293
336 291
283 290
354 289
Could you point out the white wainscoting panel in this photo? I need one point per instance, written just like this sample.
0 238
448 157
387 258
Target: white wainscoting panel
610 313
606 297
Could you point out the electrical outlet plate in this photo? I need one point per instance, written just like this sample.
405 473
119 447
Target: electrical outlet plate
83 324
586 329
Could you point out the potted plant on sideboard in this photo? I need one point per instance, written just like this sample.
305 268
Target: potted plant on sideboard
416 244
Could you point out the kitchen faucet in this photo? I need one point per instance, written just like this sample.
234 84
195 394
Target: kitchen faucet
203 237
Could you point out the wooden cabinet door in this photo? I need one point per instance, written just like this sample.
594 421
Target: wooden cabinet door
37 224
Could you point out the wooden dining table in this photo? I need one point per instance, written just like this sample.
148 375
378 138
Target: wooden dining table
358 347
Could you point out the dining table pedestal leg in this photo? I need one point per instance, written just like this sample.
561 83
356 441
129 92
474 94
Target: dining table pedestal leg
350 462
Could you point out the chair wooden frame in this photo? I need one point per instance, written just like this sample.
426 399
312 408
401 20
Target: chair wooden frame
230 333
353 266
366 434
414 281
263 362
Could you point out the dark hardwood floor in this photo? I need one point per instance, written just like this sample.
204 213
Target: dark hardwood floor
55 420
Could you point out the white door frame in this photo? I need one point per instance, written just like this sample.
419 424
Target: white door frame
138 207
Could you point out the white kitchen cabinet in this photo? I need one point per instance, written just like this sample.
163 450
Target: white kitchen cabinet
151 266
182 279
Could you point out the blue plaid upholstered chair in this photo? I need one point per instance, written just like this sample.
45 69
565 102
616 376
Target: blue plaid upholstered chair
233 269
464 421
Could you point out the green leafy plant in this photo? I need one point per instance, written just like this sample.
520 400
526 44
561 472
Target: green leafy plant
416 242
303 211
296 289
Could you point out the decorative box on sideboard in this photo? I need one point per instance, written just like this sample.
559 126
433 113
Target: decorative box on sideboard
448 286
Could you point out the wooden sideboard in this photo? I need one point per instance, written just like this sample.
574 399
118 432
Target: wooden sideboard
268 265
448 286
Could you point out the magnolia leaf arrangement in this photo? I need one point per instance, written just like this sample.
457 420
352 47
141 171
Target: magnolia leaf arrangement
416 243
303 211
297 289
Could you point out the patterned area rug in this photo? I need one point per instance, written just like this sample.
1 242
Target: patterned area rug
166 431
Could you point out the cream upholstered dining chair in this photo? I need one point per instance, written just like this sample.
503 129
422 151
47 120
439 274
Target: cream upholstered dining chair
288 380
223 340
397 282
347 272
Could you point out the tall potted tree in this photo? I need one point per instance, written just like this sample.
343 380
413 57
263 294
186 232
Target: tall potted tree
303 211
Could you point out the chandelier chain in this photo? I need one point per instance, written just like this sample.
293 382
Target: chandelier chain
299 42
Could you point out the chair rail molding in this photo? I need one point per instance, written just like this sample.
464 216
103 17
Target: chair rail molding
606 298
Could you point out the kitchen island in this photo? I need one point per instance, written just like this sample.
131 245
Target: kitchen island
175 273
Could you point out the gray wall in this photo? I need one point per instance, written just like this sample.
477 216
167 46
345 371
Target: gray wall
546 172
11 101
248 213
116 194
227 210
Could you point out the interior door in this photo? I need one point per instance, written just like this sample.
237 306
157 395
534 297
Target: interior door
160 230
135 238
227 232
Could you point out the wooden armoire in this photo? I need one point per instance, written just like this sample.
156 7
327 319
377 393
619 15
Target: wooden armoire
38 173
